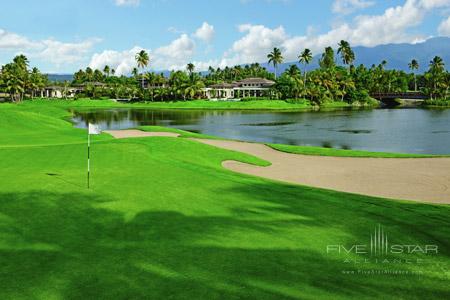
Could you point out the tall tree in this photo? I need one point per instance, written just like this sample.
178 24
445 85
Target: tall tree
305 58
327 60
346 52
142 60
190 67
21 61
437 64
275 57
12 78
106 70
413 66
135 72
37 81
436 73
89 74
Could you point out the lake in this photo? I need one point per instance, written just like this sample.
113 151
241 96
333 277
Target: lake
392 130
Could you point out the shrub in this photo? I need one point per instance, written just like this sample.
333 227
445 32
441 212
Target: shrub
361 96
437 102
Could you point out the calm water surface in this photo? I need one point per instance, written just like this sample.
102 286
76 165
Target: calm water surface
391 130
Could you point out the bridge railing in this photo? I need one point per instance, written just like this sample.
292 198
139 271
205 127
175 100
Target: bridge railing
401 95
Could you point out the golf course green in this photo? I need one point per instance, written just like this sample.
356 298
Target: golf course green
164 220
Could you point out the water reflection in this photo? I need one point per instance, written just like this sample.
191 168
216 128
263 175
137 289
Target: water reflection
393 130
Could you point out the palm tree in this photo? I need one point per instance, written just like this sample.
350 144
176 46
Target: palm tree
327 60
414 65
275 58
34 81
142 60
347 54
437 68
437 64
89 74
190 68
13 81
305 58
18 77
135 72
293 71
21 60
106 70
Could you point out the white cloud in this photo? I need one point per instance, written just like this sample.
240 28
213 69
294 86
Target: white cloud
205 32
350 6
48 50
128 2
392 26
122 61
396 24
65 53
174 30
10 40
174 56
255 44
444 27
430 4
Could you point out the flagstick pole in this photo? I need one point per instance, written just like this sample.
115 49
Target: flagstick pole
88 160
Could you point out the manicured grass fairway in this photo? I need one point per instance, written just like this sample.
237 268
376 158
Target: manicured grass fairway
164 220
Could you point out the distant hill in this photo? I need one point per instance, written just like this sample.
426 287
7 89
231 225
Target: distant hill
397 55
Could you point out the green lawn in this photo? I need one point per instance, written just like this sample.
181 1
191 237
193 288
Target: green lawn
312 150
198 104
164 220
193 104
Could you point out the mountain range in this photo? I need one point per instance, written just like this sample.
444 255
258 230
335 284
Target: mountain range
397 56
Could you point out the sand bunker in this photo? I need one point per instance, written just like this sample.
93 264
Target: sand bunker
420 179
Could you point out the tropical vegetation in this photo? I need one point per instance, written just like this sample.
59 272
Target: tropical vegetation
331 82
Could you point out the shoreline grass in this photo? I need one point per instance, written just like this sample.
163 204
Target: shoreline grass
271 105
321 151
437 103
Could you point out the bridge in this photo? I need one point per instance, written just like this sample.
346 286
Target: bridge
400 95
390 99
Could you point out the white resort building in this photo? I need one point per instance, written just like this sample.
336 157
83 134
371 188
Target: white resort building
249 87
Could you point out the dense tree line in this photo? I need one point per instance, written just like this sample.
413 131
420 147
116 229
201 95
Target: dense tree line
17 80
330 82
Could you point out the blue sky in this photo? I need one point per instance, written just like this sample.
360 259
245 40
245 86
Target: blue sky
63 36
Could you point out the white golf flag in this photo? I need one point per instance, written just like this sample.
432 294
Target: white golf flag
94 129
